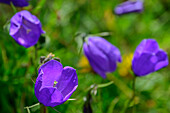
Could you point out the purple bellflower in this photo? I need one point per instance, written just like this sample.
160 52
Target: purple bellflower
55 84
148 58
25 28
17 3
129 7
102 55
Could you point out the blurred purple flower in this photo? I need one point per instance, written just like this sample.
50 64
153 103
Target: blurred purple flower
25 28
55 84
148 58
129 7
102 55
18 3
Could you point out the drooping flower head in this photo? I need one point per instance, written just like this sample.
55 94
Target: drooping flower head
25 28
55 84
17 3
148 58
102 55
129 7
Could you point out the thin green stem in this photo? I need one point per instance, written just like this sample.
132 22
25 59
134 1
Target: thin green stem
128 102
35 58
121 85
133 86
55 110
101 34
83 41
43 109
80 49
112 105
133 96
32 106
28 110
13 7
36 51
39 6
99 85
71 99
105 84
28 107
134 91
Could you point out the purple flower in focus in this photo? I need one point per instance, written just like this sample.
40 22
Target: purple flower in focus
55 84
18 3
148 58
102 55
25 28
129 7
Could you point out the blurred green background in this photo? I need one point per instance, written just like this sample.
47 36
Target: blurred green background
63 20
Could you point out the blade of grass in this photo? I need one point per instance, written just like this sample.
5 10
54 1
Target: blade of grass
112 105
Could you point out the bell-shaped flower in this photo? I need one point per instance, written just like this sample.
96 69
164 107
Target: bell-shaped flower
148 58
55 84
17 3
129 7
102 55
25 28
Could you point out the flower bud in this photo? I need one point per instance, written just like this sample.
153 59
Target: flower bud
102 55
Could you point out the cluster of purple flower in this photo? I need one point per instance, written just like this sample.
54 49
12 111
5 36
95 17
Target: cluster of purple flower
103 56
55 84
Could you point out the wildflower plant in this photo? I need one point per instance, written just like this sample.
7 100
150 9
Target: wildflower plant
52 83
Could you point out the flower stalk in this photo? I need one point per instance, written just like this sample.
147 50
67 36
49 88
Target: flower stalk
134 91
13 7
43 109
